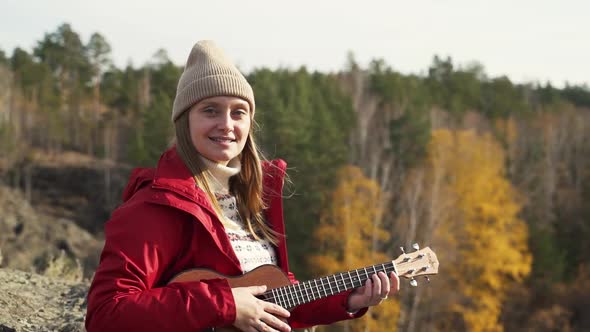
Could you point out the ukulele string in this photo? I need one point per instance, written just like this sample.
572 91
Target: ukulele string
318 288
308 290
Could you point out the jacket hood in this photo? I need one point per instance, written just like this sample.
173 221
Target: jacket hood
170 173
138 178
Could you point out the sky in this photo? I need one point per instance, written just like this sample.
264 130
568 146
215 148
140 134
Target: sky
526 40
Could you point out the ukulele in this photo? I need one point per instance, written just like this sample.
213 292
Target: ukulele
281 291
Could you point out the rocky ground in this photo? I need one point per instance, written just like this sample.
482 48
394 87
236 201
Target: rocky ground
32 302
51 297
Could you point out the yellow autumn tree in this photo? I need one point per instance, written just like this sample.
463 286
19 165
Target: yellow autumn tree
348 238
490 240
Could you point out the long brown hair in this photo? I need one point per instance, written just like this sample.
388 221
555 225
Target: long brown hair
246 186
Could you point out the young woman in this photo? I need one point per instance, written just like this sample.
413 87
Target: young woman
210 203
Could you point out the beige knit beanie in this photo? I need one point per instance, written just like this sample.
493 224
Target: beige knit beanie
208 73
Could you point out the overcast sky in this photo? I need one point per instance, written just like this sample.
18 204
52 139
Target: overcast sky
526 40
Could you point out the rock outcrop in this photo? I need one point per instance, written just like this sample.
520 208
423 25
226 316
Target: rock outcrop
30 240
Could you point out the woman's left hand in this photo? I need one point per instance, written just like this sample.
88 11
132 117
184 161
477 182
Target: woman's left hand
376 289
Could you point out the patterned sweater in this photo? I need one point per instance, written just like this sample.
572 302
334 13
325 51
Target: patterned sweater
251 252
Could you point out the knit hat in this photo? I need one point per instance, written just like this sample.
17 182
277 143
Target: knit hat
208 73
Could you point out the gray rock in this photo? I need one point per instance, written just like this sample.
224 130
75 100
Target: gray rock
31 302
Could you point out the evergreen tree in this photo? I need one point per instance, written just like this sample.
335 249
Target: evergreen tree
3 58
305 119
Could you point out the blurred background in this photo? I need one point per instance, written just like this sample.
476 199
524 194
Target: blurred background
459 125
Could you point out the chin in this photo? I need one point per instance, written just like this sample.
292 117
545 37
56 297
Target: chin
222 159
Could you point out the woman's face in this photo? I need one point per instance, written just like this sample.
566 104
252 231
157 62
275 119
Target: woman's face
219 127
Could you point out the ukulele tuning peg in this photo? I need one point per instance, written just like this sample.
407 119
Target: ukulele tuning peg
427 279
402 249
416 246
413 282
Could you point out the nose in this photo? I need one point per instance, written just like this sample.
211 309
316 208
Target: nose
225 122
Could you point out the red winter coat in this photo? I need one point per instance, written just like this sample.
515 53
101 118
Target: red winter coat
166 226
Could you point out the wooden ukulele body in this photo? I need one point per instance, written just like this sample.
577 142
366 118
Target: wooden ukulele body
269 275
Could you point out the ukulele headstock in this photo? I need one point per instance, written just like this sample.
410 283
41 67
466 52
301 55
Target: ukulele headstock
422 262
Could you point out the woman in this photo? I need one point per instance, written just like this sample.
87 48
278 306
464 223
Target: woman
209 203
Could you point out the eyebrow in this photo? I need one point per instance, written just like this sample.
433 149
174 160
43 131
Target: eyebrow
239 103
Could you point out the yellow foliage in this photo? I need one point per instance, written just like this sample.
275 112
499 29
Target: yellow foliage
490 239
347 236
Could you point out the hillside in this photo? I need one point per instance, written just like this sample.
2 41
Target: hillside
53 204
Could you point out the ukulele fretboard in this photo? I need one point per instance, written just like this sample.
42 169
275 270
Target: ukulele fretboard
308 291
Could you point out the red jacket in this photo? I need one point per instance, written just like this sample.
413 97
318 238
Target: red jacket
165 226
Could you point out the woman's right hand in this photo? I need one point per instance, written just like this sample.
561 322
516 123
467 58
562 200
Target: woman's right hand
254 315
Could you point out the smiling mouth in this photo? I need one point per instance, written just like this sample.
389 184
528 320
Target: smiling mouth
222 140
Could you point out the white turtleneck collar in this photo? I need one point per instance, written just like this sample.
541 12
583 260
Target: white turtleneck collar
221 173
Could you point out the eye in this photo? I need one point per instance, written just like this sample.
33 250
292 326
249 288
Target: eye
209 111
239 112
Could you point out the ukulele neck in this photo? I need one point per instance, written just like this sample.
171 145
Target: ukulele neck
308 291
